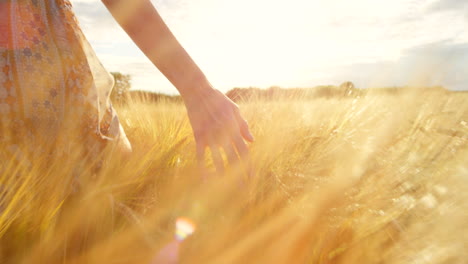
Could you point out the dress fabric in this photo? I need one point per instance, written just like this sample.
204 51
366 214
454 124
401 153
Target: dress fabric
49 74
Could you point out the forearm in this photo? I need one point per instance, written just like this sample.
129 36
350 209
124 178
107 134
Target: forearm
146 28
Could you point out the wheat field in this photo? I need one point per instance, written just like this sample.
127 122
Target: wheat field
371 179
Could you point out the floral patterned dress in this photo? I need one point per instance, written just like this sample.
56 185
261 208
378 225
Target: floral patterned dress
50 77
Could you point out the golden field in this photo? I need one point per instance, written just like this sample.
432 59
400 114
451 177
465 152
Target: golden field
371 179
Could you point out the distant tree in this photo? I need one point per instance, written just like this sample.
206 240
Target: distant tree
122 85
347 88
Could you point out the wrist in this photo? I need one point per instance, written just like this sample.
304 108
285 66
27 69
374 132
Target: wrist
195 89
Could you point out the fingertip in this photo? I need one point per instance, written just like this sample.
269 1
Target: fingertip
246 134
245 130
249 136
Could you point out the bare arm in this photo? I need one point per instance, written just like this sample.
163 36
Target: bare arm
216 120
146 28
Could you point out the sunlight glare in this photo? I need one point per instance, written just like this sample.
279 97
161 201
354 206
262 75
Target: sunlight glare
184 228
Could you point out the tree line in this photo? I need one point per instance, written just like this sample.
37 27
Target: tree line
122 92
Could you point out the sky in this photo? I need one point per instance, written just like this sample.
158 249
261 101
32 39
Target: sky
297 43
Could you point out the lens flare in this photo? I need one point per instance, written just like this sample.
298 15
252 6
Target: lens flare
184 228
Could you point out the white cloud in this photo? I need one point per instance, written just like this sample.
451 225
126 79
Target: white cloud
439 63
448 5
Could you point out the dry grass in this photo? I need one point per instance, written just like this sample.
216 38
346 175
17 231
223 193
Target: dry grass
378 179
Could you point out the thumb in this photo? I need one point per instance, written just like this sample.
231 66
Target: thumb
245 130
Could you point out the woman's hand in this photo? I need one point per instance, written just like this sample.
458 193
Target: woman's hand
217 123
215 119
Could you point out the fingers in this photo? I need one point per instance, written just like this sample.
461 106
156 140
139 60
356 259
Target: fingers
231 153
233 143
245 131
229 134
217 158
235 150
243 151
243 126
241 147
200 154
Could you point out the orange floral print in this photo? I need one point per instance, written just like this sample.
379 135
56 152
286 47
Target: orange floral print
49 73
